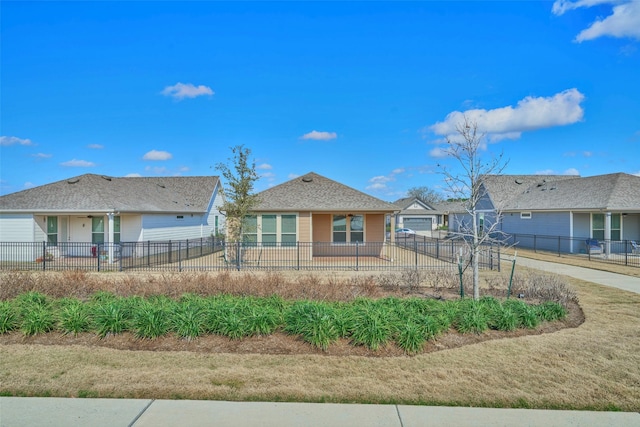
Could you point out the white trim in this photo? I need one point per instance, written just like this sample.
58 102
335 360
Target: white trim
525 215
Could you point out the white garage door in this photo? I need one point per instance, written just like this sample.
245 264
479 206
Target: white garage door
418 224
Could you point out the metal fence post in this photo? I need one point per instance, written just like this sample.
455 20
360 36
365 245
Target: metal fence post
238 255
179 254
187 255
44 255
298 250
357 255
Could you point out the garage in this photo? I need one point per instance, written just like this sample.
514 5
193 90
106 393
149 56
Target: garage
418 224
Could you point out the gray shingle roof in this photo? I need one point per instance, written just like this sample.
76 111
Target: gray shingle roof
313 192
96 193
502 189
406 202
613 192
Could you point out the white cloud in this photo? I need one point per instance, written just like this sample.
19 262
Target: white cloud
439 152
157 155
622 23
264 166
636 174
14 140
75 163
133 175
571 171
398 171
95 146
42 156
531 113
379 183
180 91
319 136
293 176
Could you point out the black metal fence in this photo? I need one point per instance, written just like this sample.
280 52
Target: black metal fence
623 252
212 254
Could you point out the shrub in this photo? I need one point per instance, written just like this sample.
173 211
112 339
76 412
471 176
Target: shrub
317 322
110 317
37 319
473 317
150 318
8 317
73 316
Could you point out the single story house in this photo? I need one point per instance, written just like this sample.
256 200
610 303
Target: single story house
417 215
601 207
334 218
99 209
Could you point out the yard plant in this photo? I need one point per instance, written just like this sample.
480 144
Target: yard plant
373 323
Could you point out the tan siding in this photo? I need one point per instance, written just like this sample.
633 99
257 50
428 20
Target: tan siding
304 222
374 224
321 227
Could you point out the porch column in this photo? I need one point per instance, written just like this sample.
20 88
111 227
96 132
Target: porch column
570 232
607 232
110 215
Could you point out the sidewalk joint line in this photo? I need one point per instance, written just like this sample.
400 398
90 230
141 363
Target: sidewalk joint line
399 416
141 412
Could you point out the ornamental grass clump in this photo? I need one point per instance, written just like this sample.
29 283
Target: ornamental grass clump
110 316
73 316
526 314
370 323
318 323
8 317
189 317
36 314
150 318
551 311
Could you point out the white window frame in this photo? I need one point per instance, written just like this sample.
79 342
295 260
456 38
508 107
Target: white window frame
525 215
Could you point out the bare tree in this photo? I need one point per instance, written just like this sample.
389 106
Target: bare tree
238 191
425 194
465 147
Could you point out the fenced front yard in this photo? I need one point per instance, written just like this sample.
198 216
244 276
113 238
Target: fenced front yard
210 254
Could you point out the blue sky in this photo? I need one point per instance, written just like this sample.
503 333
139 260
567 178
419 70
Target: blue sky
361 92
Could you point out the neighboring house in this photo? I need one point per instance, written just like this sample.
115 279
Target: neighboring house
417 215
102 209
602 207
312 208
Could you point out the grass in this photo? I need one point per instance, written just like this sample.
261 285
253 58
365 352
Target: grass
595 366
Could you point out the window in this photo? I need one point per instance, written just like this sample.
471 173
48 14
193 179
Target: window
357 228
116 229
598 224
52 230
348 229
269 230
250 229
97 230
288 230
339 229
525 215
615 227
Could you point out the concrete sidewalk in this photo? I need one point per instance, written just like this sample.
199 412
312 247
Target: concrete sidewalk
66 412
620 281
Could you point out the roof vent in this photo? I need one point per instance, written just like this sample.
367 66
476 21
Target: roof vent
161 185
108 178
307 179
73 180
518 181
